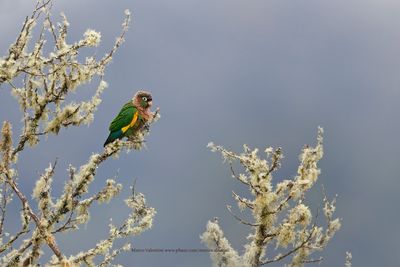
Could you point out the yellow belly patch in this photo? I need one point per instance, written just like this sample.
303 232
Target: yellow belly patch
135 116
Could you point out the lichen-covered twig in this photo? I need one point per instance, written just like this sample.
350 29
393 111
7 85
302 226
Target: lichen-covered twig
280 216
138 221
41 82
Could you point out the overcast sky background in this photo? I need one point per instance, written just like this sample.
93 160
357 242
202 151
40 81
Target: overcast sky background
264 73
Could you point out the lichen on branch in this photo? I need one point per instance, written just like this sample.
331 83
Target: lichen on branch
41 81
280 219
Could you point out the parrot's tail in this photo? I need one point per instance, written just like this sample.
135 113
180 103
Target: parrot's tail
109 140
112 137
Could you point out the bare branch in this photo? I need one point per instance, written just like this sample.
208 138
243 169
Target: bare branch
240 219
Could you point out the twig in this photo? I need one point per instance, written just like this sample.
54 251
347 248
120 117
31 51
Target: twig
291 251
245 202
240 219
3 207
49 238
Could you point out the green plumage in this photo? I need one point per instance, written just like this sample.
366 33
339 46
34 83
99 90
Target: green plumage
132 117
120 127
123 118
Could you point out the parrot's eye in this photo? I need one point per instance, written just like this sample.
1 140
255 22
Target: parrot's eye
144 99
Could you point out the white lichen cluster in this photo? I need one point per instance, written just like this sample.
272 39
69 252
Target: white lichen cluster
348 259
283 227
92 38
214 238
42 83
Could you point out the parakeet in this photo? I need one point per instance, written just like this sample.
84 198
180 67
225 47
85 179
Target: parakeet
132 117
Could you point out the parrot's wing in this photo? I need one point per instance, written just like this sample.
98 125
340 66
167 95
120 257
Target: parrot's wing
124 118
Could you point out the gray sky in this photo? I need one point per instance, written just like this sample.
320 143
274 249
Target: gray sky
231 71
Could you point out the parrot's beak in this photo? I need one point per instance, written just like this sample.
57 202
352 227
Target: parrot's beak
150 103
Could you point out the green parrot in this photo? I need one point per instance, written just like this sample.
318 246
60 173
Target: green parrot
132 117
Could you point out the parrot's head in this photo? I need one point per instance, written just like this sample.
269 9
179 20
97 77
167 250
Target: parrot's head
142 99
